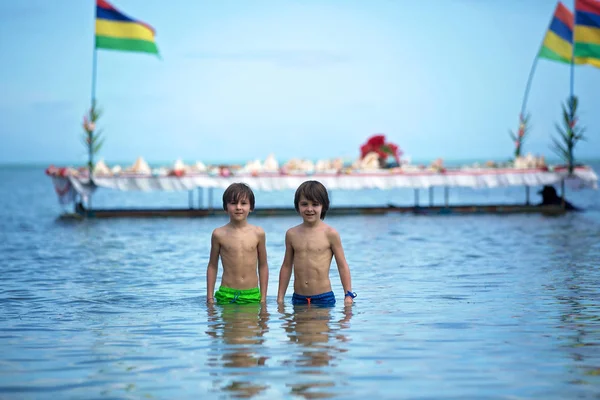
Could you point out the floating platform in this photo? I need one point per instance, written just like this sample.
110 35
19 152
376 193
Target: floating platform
502 209
78 189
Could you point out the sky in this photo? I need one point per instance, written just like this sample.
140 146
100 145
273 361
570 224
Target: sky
238 80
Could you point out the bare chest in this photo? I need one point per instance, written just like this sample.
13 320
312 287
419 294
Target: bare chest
239 246
314 245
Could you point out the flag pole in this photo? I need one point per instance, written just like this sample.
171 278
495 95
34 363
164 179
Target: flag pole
571 102
534 67
93 105
572 83
94 67
529 80
93 100
572 88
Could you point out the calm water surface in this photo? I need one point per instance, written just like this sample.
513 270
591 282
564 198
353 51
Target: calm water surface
448 307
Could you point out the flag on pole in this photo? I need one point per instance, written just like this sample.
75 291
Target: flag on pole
558 43
587 32
117 31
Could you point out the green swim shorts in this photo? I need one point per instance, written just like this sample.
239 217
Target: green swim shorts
227 295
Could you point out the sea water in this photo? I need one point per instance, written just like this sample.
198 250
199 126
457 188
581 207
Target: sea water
448 307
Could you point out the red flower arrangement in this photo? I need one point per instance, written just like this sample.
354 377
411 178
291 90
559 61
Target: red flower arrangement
55 171
377 144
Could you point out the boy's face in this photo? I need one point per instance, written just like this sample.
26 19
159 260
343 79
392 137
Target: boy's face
309 210
238 210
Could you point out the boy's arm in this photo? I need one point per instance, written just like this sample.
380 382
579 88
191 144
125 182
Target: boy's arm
286 268
213 266
340 259
263 266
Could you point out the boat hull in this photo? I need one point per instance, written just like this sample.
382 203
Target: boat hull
502 209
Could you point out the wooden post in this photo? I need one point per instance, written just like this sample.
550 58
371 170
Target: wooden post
191 199
562 194
200 197
527 195
416 197
431 196
446 195
210 198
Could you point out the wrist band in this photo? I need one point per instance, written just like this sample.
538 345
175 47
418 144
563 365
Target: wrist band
350 294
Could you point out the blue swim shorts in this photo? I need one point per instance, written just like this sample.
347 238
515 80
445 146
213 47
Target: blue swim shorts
324 299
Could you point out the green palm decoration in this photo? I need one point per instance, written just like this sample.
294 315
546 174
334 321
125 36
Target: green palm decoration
569 133
519 136
92 139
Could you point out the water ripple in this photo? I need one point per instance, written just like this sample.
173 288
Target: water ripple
448 307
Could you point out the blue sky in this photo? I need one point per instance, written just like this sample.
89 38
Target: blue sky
306 78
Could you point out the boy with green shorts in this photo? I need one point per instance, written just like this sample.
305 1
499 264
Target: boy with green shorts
241 247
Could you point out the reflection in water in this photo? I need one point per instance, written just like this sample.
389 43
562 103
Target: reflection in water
579 316
312 329
238 330
574 248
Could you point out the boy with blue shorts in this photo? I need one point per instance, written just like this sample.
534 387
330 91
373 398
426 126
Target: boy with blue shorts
309 249
241 247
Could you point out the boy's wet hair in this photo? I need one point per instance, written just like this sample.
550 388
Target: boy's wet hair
313 191
236 192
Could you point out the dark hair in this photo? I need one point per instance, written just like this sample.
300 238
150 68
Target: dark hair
313 191
236 192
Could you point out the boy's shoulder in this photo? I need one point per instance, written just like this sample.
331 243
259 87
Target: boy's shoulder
258 231
330 231
294 229
220 230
